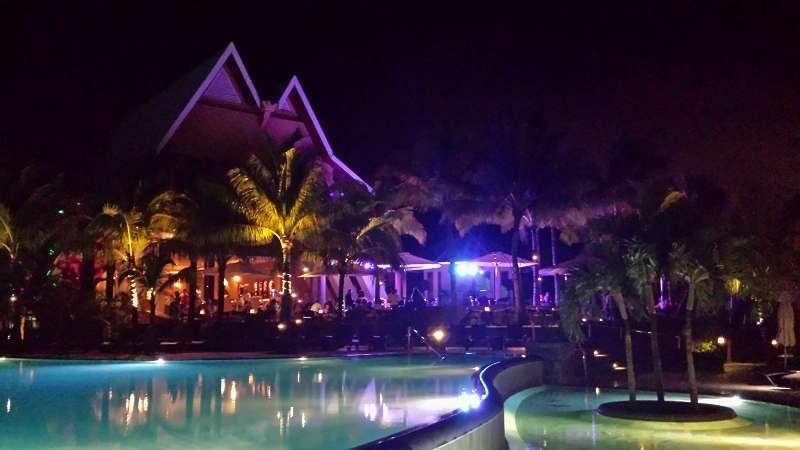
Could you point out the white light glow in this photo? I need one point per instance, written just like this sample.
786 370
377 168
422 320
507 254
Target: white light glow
730 402
466 270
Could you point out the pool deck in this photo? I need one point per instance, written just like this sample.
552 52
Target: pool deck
740 384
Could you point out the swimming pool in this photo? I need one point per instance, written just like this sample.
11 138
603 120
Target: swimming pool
565 418
312 403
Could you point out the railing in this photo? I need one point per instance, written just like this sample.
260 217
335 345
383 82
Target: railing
424 340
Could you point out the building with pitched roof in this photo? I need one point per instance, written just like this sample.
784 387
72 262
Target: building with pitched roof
215 112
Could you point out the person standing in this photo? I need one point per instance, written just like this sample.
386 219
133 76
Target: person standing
348 299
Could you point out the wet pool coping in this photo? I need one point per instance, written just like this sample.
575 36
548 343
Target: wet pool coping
675 382
481 427
215 356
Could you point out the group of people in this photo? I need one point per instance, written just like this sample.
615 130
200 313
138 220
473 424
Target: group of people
178 308
392 300
284 307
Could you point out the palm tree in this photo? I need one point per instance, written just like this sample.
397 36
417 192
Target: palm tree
641 269
148 276
207 223
445 191
8 241
607 278
603 274
698 280
122 237
379 240
30 220
533 182
280 200
357 228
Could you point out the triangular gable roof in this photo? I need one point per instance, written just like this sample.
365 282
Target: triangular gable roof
285 104
154 124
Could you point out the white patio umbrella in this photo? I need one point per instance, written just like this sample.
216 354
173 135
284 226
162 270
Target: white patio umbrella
786 336
496 261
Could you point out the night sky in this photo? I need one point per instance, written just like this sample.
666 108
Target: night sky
714 84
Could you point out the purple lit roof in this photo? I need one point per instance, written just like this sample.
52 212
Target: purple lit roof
215 112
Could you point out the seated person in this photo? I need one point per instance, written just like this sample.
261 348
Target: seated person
393 299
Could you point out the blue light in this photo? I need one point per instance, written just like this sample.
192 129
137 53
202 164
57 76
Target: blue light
466 270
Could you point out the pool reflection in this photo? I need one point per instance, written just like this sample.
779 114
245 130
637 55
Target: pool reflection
327 403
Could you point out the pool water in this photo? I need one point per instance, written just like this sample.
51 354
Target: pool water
565 418
314 403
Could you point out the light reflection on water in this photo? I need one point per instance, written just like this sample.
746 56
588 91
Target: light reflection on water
565 418
314 403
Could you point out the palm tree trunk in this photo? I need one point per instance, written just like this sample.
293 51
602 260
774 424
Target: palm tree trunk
222 263
286 250
454 301
342 274
192 287
110 282
535 268
152 293
517 278
377 284
687 335
553 246
654 347
629 368
87 276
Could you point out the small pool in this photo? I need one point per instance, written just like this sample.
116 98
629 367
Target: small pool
564 418
315 403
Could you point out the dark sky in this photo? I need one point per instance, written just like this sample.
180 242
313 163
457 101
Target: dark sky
713 84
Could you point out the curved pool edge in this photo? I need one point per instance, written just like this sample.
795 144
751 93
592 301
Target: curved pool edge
481 428
760 393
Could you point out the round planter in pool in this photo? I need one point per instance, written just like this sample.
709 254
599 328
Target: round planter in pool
666 411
